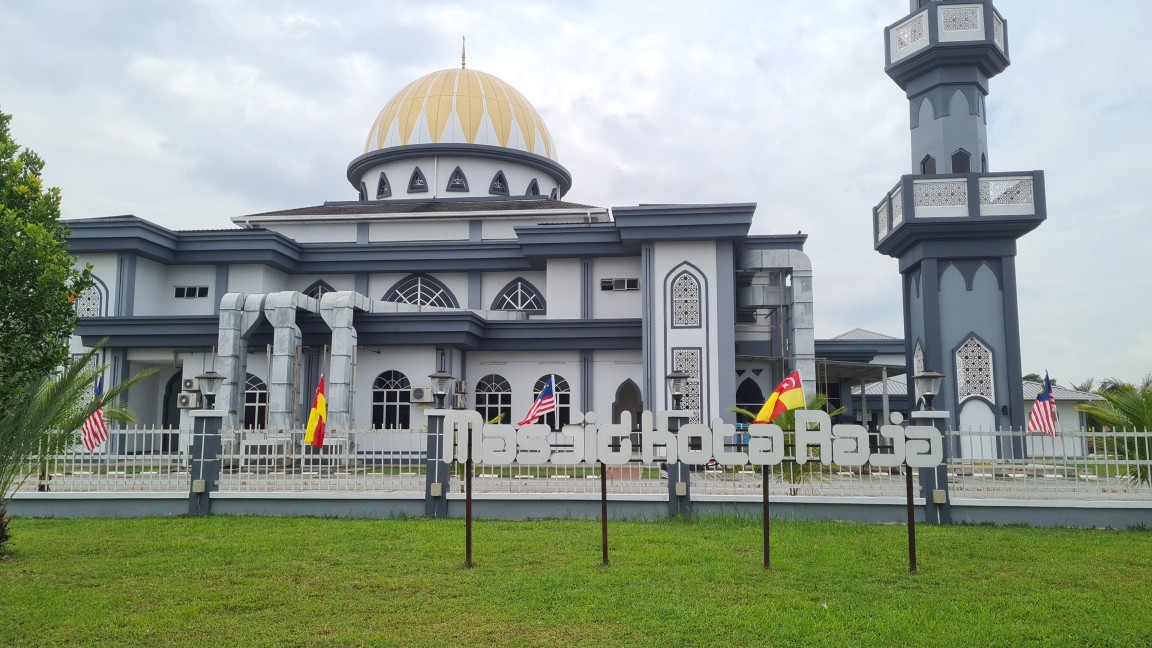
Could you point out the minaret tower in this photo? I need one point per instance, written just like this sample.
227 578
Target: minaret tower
953 223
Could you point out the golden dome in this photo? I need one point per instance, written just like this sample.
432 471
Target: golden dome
459 106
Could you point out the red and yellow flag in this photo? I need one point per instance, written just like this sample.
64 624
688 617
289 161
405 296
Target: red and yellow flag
316 418
788 396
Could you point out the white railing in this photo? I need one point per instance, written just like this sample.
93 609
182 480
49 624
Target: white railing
995 464
358 461
134 459
1072 465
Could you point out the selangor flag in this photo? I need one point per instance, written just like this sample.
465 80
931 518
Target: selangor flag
545 403
93 432
788 396
1043 416
316 418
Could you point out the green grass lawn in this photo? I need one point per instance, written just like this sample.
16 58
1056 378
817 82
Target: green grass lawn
332 582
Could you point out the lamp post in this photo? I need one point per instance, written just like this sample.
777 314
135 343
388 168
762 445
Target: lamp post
440 382
927 386
677 382
210 382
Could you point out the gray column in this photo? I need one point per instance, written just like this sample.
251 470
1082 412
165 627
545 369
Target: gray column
437 471
280 309
338 310
231 358
205 464
679 476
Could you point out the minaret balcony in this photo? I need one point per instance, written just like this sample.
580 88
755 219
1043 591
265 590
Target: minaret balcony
961 205
947 33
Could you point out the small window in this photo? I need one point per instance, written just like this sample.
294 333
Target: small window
499 185
519 295
983 163
620 284
191 292
417 183
318 288
457 181
533 188
928 165
961 162
363 192
383 187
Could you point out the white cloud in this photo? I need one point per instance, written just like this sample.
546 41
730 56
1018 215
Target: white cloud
190 113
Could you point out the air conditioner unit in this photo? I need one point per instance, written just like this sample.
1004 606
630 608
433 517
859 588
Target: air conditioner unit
459 401
422 395
461 386
190 384
188 400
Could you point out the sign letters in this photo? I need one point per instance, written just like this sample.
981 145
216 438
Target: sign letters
584 440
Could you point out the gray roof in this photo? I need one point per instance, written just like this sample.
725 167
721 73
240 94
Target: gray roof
898 385
1032 390
368 207
863 334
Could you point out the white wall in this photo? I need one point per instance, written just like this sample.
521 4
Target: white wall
608 304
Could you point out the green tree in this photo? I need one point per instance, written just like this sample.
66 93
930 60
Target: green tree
39 281
46 419
1126 408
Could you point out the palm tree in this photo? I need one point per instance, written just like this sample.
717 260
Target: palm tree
46 423
790 471
1126 408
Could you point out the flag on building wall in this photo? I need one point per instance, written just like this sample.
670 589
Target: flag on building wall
314 434
93 432
789 395
1043 416
544 403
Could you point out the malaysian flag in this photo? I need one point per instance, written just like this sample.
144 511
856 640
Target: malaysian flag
544 403
93 432
1043 417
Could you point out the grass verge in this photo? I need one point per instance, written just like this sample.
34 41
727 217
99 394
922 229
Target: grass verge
336 582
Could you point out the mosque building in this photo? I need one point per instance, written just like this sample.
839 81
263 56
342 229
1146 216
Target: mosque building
458 250
460 253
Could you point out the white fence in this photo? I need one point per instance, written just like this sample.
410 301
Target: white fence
1006 464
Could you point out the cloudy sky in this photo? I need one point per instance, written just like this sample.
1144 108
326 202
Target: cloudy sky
190 113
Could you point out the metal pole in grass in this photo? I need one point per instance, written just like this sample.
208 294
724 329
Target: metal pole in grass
604 513
468 507
911 520
767 544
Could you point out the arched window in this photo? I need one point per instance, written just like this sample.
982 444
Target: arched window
421 290
363 192
519 295
961 162
494 398
318 288
685 301
928 165
417 183
457 181
255 404
533 188
983 163
90 301
562 415
499 185
749 397
974 370
383 187
391 401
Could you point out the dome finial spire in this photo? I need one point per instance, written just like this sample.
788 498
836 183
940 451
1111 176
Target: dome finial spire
462 52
